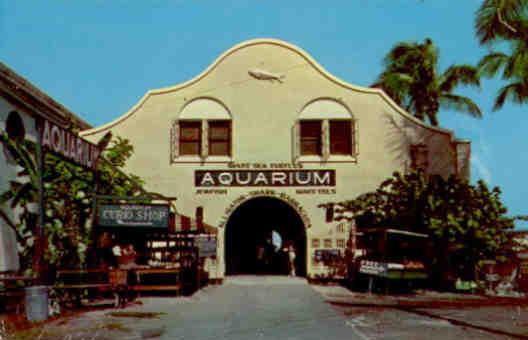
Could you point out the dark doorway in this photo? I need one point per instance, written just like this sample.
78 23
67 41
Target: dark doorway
257 234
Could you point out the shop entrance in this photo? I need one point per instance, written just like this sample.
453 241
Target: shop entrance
258 234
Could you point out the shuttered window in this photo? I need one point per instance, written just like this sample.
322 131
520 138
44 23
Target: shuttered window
340 137
190 138
311 141
419 157
219 138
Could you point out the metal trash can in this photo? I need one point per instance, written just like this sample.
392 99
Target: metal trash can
37 303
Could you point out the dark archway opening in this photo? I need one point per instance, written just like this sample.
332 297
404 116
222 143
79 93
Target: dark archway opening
251 241
15 127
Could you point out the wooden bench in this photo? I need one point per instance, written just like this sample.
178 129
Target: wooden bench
157 279
12 290
75 281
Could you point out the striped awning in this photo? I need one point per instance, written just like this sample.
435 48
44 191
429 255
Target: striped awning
182 224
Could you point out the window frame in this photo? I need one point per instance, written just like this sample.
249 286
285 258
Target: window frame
177 141
181 139
346 139
318 138
227 140
325 155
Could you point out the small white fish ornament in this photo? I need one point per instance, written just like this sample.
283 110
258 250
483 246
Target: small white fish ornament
265 75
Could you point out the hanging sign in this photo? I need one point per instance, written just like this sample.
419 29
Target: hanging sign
69 145
206 245
133 215
264 178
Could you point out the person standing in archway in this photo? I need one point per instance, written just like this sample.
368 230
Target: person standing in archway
291 259
268 255
261 254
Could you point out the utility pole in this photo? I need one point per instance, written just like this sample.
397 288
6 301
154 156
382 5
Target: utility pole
39 244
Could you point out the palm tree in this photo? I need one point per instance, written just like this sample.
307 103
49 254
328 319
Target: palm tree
505 21
514 68
501 20
23 191
411 78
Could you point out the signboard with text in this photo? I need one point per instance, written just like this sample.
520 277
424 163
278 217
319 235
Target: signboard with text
133 215
327 255
69 145
372 267
206 245
264 178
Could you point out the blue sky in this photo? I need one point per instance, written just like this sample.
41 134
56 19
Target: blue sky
99 57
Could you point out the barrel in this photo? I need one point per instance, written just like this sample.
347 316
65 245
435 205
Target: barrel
37 303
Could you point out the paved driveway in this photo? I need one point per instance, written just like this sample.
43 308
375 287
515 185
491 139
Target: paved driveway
253 307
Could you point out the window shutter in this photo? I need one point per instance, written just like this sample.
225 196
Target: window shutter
419 157
175 140
355 137
230 146
296 143
325 133
205 139
199 218
330 213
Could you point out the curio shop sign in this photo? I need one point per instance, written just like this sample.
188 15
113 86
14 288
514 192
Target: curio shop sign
132 215
264 178
69 145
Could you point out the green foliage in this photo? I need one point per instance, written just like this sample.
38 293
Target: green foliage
499 20
412 79
466 223
499 23
68 202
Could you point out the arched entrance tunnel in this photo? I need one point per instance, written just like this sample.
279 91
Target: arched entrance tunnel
257 234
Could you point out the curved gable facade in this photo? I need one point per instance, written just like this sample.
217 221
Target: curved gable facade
266 108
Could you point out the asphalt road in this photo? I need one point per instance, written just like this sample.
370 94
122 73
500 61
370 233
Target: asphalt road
253 307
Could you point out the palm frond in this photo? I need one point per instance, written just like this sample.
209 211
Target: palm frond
459 74
517 65
498 19
21 154
28 162
27 191
460 104
396 85
401 50
516 92
6 196
491 63
11 224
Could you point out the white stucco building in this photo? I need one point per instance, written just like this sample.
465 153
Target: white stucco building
262 137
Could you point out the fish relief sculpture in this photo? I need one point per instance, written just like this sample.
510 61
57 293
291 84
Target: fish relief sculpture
265 75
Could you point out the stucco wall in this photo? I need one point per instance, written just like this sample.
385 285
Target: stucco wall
263 117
